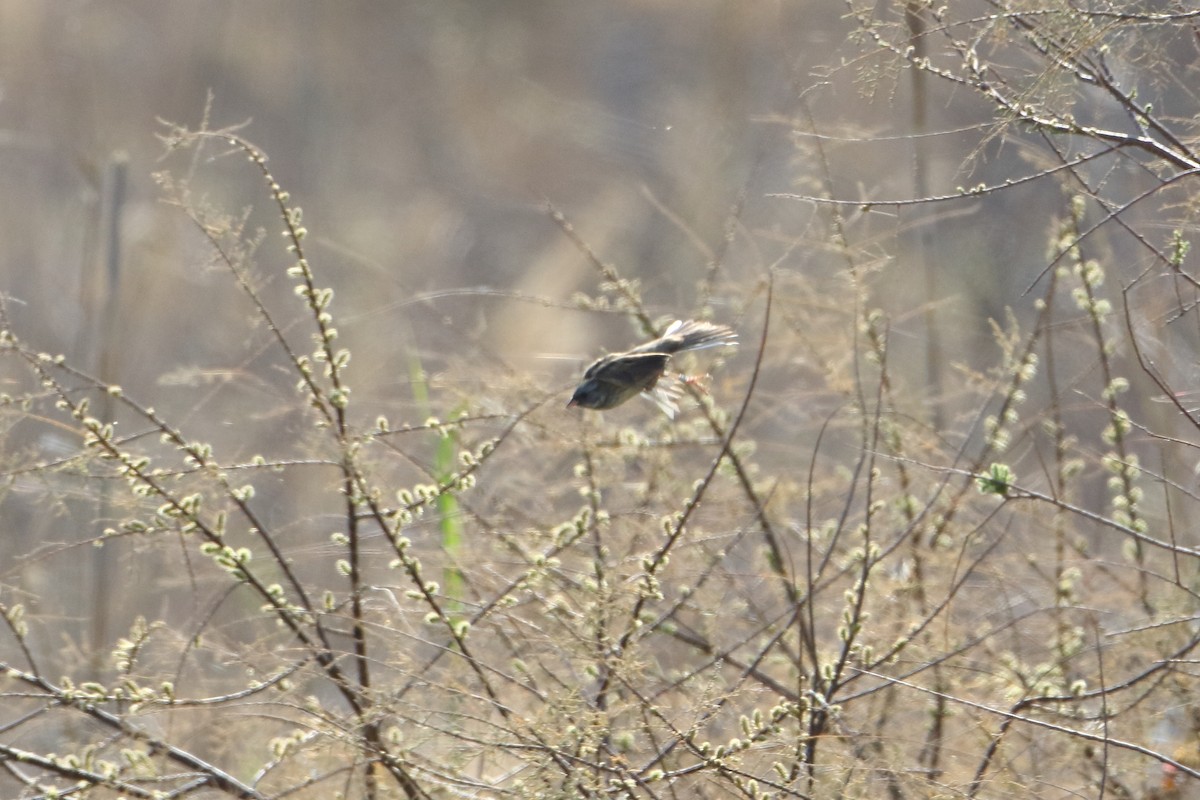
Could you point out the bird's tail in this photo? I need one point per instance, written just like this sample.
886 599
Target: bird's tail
693 335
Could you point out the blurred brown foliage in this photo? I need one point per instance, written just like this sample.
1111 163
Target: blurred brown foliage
929 532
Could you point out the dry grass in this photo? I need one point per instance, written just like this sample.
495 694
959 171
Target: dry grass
416 574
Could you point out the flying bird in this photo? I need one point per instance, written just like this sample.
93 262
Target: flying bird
616 377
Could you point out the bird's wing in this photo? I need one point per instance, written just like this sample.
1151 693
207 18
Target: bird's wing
666 397
596 366
614 361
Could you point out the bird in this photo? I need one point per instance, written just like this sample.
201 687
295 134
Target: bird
616 377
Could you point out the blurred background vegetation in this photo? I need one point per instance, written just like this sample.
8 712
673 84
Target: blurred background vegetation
930 532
